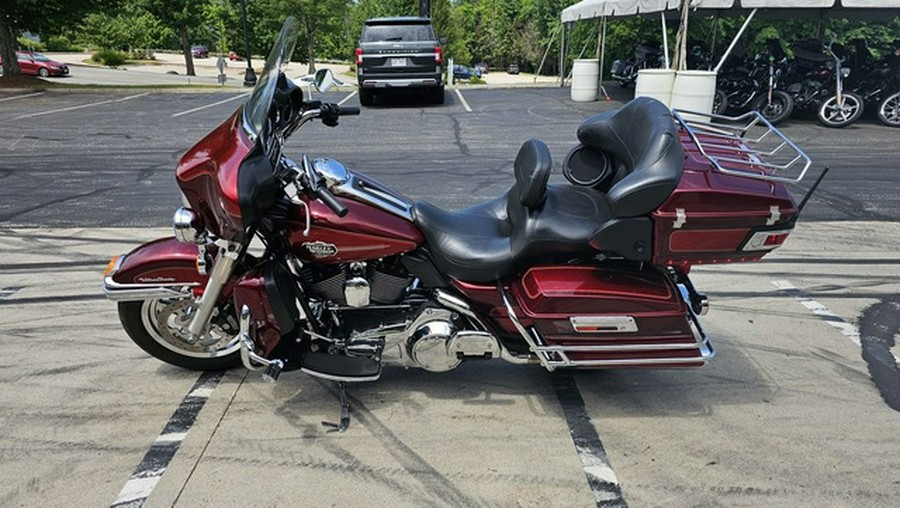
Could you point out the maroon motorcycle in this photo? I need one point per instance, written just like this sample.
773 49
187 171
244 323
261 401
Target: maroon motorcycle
283 265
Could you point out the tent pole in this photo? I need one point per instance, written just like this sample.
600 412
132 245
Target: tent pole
665 31
736 38
562 56
602 49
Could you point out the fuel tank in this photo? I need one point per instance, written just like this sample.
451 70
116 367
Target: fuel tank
378 223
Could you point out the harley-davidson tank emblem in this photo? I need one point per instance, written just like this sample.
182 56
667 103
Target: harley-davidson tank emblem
321 249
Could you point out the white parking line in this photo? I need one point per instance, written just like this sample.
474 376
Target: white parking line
81 106
176 115
848 330
21 96
462 100
347 98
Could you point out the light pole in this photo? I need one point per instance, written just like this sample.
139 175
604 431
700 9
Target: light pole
249 75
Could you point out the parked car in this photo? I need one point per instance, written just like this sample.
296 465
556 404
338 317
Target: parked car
483 67
512 69
234 57
39 65
464 73
199 51
400 52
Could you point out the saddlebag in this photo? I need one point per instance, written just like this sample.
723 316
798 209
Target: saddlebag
588 316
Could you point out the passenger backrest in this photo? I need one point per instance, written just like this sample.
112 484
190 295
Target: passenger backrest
532 167
643 138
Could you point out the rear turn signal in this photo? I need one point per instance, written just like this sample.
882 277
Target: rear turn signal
766 240
359 56
438 55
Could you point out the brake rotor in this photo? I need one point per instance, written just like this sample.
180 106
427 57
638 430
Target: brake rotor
172 321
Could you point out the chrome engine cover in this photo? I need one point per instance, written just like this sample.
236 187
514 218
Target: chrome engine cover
431 341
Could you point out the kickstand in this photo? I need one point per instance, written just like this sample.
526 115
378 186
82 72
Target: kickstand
345 412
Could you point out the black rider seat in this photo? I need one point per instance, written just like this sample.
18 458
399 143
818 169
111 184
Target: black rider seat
536 224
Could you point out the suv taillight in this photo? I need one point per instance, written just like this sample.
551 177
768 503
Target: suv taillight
359 56
438 55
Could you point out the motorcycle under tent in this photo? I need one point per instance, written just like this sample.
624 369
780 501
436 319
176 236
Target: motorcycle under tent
674 85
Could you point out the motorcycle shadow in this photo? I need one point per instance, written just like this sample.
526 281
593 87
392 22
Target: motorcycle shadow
733 378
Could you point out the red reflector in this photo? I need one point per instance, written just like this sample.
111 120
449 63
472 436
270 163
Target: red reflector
359 60
438 54
776 239
198 291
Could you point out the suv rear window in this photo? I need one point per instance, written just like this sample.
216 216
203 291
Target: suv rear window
391 33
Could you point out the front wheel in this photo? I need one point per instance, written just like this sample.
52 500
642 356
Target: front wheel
833 115
889 110
160 327
43 72
720 102
778 109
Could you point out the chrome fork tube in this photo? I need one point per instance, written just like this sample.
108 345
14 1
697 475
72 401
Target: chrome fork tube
225 262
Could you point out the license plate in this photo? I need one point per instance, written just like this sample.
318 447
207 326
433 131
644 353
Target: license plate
398 62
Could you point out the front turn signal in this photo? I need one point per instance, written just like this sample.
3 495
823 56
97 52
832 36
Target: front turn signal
111 266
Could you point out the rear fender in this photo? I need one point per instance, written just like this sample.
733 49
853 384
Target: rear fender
163 268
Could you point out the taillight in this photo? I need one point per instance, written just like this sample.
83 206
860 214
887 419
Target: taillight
359 56
766 240
438 55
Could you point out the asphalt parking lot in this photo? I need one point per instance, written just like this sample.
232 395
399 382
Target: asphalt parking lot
799 407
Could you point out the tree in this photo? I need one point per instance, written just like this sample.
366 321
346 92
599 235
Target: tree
181 16
315 17
17 16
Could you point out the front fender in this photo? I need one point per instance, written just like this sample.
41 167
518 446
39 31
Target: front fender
163 268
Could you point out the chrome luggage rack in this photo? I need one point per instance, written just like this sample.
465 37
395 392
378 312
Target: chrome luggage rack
746 145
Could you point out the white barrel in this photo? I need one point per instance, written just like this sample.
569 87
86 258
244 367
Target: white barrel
656 83
585 80
694 91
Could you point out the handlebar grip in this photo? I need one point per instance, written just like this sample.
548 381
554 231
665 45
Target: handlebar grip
325 196
348 110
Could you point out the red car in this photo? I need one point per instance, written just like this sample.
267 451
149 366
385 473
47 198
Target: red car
39 65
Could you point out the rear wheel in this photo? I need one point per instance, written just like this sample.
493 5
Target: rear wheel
160 327
366 97
778 109
437 95
889 110
833 115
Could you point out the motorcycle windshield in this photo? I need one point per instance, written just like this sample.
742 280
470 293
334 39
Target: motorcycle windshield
256 109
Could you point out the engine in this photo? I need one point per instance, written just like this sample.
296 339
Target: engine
376 311
359 284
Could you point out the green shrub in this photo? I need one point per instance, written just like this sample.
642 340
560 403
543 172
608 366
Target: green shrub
61 43
475 80
30 45
109 57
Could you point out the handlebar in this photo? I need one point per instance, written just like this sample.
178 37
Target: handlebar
325 196
348 110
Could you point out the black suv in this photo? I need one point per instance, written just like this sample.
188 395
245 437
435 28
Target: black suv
399 53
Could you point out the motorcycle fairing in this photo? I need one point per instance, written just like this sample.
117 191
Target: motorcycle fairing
208 176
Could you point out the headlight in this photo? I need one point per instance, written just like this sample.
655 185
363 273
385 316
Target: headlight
188 226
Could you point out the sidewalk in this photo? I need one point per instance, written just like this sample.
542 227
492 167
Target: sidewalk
169 69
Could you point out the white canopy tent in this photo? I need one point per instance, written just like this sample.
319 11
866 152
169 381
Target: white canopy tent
590 9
